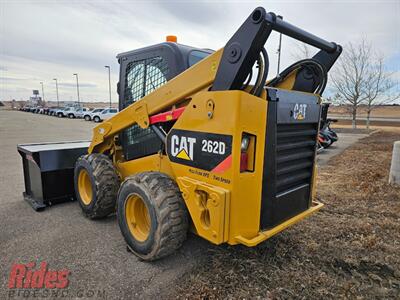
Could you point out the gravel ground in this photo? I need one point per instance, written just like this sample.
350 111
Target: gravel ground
350 249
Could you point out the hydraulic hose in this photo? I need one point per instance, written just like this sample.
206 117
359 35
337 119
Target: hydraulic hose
309 64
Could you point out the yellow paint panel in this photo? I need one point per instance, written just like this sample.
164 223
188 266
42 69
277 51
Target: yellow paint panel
233 113
155 162
264 235
207 206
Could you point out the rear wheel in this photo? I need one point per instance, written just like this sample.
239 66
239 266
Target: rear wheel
71 116
152 215
96 119
87 118
96 185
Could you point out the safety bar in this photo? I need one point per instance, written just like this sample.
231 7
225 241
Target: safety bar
299 34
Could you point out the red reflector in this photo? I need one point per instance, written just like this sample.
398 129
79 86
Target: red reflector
167 116
243 161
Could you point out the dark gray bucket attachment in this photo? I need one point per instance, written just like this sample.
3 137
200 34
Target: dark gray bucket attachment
49 171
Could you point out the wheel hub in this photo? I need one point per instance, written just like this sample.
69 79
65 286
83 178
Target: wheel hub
85 187
137 217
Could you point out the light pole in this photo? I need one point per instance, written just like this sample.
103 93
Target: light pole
58 101
279 50
109 82
279 53
77 87
42 91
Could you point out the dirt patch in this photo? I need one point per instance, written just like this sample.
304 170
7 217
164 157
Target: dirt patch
350 249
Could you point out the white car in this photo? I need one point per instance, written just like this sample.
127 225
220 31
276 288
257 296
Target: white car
88 116
79 112
60 112
105 114
72 112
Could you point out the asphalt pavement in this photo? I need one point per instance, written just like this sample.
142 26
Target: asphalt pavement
93 251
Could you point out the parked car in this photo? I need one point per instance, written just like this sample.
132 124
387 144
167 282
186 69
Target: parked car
70 112
60 112
89 114
79 112
105 114
52 111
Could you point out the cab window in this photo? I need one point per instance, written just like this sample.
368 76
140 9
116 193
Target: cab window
141 78
195 56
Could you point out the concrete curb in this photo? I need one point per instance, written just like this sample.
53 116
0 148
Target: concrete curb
394 175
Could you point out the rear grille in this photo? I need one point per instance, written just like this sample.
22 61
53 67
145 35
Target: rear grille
295 155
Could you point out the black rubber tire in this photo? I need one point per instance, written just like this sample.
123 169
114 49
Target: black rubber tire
87 118
104 181
71 116
96 119
60 115
167 210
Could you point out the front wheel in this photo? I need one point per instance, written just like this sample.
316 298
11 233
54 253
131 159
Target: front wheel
152 215
71 116
87 118
96 185
96 119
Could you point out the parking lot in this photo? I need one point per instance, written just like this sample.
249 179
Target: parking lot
93 251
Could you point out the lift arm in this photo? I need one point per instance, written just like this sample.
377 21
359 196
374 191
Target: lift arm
194 79
226 69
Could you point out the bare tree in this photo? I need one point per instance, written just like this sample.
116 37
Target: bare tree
351 76
379 87
303 51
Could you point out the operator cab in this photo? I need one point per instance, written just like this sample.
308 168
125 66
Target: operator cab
141 72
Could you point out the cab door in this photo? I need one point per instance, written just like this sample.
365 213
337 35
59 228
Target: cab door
140 75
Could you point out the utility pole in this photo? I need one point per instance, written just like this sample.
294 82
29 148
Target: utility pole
77 88
58 101
279 50
42 91
109 82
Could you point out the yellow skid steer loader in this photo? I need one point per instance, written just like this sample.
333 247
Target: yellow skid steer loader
195 145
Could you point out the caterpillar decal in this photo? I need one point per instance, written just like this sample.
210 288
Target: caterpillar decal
299 111
201 150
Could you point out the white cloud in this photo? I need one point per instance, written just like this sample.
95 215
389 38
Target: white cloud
44 39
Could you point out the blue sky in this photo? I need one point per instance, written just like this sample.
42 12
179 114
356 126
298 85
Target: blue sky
42 40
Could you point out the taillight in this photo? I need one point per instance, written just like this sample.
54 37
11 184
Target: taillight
245 143
247 152
244 160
